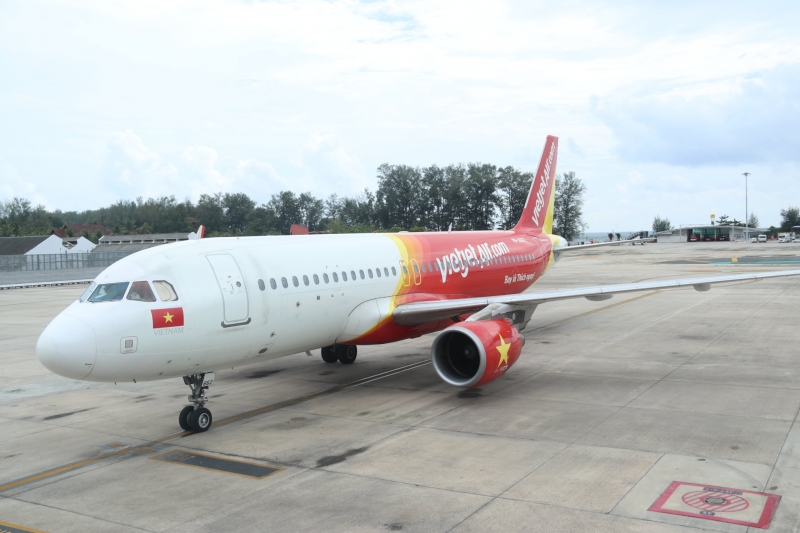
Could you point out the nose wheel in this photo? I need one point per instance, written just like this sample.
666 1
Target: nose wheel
196 417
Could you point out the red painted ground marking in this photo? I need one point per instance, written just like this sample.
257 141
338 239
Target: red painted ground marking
733 506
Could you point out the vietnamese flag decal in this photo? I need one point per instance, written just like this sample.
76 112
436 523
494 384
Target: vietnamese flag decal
167 318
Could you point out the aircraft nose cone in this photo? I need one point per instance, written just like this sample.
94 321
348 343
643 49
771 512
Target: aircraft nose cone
67 347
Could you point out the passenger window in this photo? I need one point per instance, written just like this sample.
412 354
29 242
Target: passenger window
335 277
316 279
436 266
261 284
386 271
284 283
353 275
423 267
166 292
378 272
344 276
141 292
362 273
109 292
295 282
325 277
416 269
305 280
272 283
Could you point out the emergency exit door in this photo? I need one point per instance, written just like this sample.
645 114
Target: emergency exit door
234 292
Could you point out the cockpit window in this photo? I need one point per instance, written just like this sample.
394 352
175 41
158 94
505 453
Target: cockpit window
166 292
141 292
88 292
109 292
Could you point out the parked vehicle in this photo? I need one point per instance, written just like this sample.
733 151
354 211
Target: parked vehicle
762 238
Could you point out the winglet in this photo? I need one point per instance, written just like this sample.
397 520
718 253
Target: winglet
537 215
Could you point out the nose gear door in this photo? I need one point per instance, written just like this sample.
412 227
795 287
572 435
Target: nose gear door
233 289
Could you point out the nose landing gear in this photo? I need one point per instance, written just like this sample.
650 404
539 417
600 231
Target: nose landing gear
196 417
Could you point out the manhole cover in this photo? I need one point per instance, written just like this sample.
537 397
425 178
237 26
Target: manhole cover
713 501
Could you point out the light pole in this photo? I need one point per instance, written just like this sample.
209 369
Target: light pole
746 219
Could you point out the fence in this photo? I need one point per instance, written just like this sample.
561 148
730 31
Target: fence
23 263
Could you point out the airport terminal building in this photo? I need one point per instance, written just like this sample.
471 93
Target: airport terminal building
707 232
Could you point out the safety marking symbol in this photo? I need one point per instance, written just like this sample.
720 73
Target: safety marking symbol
733 506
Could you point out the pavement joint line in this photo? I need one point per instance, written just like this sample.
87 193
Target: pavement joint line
79 464
794 422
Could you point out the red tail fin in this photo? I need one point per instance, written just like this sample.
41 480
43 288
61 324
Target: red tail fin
538 211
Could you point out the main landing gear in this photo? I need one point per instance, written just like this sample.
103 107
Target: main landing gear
196 417
344 353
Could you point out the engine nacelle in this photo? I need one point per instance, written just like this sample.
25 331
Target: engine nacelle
470 354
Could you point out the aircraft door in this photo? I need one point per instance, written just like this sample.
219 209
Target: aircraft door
417 273
233 289
404 273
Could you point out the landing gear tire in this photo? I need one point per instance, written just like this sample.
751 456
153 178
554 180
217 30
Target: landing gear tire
183 418
346 353
329 354
200 419
195 417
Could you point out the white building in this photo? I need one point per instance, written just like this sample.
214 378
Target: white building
81 245
707 232
42 244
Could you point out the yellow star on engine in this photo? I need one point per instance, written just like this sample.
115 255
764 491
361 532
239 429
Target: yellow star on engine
503 349
168 317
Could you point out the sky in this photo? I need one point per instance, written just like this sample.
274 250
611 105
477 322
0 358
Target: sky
659 106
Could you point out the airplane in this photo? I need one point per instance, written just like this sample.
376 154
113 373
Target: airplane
190 308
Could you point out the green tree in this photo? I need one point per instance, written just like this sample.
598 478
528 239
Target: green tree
789 218
514 188
753 220
661 224
434 198
210 212
237 207
568 213
481 194
399 190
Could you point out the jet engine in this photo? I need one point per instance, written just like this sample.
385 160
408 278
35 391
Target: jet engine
470 354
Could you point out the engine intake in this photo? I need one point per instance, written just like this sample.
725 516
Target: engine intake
470 354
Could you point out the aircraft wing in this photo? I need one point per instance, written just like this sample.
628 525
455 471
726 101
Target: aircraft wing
581 247
486 308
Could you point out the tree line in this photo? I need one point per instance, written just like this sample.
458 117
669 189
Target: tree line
472 196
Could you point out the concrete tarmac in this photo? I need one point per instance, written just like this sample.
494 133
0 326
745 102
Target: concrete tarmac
608 405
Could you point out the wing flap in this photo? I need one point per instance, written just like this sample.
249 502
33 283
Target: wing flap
412 314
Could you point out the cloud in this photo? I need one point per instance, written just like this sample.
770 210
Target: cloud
743 120
325 160
13 185
133 169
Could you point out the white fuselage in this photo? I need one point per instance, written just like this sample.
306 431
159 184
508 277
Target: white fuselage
226 325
